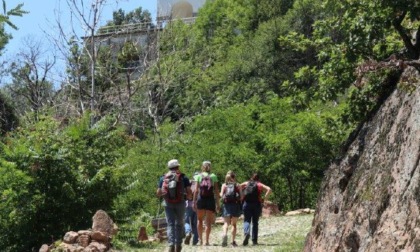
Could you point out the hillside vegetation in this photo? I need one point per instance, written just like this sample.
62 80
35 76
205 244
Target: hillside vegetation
267 86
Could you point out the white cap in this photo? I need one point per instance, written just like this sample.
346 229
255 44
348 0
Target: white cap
206 163
173 163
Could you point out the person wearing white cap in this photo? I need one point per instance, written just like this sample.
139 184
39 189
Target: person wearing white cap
173 187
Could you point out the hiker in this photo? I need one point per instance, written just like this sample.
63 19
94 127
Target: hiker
206 200
191 217
173 187
231 194
252 206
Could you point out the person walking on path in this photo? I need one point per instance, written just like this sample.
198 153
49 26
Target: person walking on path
231 194
206 200
173 187
191 217
252 206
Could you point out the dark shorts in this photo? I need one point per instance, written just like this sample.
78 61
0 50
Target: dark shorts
231 210
206 204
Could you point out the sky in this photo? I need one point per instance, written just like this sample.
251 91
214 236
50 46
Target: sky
40 22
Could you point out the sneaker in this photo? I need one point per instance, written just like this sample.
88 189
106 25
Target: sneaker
254 243
224 241
246 240
234 244
187 239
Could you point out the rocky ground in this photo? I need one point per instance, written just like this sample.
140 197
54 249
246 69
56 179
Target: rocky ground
280 233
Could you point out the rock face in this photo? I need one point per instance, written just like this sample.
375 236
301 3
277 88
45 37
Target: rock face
370 199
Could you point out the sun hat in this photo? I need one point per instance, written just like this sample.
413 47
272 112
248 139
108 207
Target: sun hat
173 163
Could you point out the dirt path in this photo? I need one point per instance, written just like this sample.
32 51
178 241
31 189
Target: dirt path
275 234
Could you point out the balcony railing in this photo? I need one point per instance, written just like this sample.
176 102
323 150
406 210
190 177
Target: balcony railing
139 27
127 28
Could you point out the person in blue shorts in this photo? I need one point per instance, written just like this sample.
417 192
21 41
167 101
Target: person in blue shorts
231 194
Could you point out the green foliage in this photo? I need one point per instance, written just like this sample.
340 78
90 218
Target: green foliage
366 99
61 177
345 34
135 16
289 150
5 20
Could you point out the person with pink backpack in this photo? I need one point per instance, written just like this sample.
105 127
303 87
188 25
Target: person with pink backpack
206 200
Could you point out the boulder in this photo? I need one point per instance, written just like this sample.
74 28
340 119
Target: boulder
103 223
270 209
300 212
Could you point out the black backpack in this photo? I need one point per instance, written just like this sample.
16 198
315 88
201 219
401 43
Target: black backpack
231 194
251 193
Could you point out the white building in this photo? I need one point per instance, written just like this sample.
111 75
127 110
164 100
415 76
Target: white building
177 9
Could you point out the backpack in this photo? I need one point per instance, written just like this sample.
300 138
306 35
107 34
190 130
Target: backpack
251 193
206 186
173 187
231 194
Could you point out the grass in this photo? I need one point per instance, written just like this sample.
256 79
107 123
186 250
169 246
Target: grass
276 234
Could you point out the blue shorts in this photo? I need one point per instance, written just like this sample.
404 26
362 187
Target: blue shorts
231 210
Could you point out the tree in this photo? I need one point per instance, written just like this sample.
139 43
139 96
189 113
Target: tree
5 20
348 34
136 16
88 17
30 89
8 118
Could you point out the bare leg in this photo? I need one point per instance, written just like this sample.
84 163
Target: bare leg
209 222
226 224
234 220
200 219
